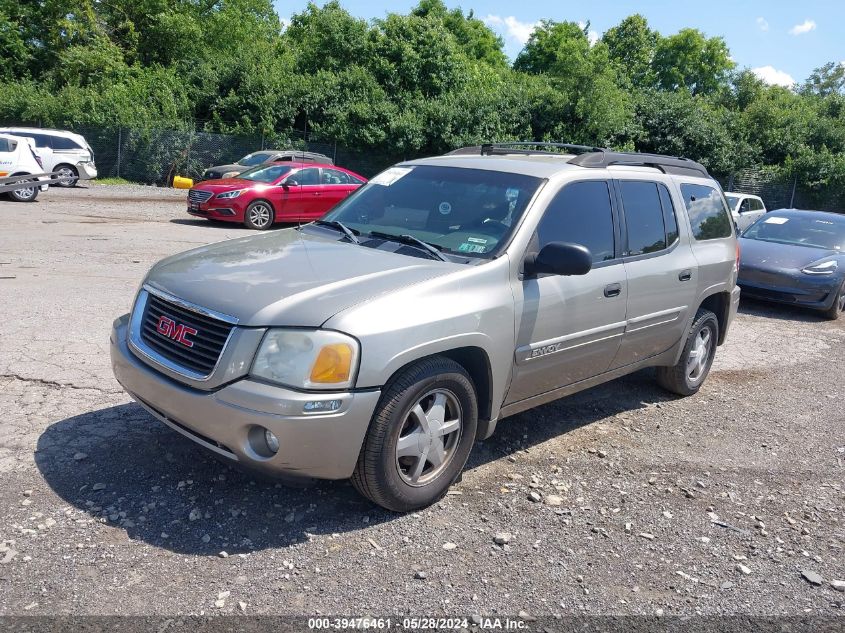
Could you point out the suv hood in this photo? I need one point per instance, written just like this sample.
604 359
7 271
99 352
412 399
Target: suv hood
288 277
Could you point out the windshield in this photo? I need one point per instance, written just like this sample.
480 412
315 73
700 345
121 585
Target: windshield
732 200
810 231
250 160
458 211
268 173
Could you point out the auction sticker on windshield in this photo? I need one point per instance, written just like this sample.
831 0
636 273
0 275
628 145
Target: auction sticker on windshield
389 176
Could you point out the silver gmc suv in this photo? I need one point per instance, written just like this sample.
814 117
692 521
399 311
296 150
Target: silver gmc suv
380 342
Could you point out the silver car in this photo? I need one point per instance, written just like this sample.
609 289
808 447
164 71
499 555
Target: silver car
382 341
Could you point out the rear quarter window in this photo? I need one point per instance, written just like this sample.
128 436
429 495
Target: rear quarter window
61 142
8 145
708 214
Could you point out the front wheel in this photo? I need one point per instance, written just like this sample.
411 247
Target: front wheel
686 377
838 306
259 215
420 436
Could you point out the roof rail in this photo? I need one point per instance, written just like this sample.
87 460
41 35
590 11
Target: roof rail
513 147
666 164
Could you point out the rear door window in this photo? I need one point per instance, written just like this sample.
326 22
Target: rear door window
707 212
643 217
581 213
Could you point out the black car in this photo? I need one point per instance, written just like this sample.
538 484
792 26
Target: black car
795 257
264 156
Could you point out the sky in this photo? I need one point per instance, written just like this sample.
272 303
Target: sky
781 40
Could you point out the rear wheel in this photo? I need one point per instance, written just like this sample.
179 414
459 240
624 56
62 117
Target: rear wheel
420 436
29 194
686 377
259 215
838 306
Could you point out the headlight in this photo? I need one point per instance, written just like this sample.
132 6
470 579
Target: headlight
821 268
307 359
229 194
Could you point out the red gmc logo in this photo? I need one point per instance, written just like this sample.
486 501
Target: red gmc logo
175 331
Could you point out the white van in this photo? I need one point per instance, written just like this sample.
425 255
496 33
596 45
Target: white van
18 158
61 151
746 209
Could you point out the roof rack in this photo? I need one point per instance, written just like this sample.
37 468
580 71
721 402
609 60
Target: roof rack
590 157
513 147
666 164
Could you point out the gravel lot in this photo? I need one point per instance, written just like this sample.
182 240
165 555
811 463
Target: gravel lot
714 504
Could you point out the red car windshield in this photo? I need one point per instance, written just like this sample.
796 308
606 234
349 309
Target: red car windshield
265 173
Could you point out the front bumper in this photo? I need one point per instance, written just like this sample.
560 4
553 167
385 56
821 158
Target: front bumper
86 170
230 420
794 289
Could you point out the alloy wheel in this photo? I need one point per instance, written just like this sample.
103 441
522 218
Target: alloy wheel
429 436
699 355
260 215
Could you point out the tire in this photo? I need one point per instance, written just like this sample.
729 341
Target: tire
25 195
686 377
838 306
69 175
397 482
259 215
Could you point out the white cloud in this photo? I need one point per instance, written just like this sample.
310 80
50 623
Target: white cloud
773 76
514 29
763 24
805 27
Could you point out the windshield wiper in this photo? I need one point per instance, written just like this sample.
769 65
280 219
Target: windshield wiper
340 226
412 241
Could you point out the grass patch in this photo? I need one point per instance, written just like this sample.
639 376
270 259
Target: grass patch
111 180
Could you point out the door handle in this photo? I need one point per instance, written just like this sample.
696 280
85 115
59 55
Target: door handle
685 275
612 290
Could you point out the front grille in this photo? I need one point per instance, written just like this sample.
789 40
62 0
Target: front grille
198 195
208 342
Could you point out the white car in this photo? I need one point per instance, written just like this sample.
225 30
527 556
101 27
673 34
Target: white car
61 151
745 208
18 158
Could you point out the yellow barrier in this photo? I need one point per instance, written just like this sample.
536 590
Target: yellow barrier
182 183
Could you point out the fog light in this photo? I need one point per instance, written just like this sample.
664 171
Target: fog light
272 441
316 406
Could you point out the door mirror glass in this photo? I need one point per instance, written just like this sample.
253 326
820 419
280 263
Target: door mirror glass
560 258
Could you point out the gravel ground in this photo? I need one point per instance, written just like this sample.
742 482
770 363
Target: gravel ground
714 504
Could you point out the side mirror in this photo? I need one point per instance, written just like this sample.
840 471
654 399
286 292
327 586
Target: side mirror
559 258
290 182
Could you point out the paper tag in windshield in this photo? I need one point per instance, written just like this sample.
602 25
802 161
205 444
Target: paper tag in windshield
776 220
389 176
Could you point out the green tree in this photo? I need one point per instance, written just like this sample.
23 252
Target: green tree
692 61
474 37
826 80
327 38
631 45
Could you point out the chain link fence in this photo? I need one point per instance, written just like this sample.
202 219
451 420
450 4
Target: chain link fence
780 191
155 156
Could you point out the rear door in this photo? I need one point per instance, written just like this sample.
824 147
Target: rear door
661 271
336 185
569 328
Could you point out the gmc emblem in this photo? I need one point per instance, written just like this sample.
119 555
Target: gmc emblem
175 331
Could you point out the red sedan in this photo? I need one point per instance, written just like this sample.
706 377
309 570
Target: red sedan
278 192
